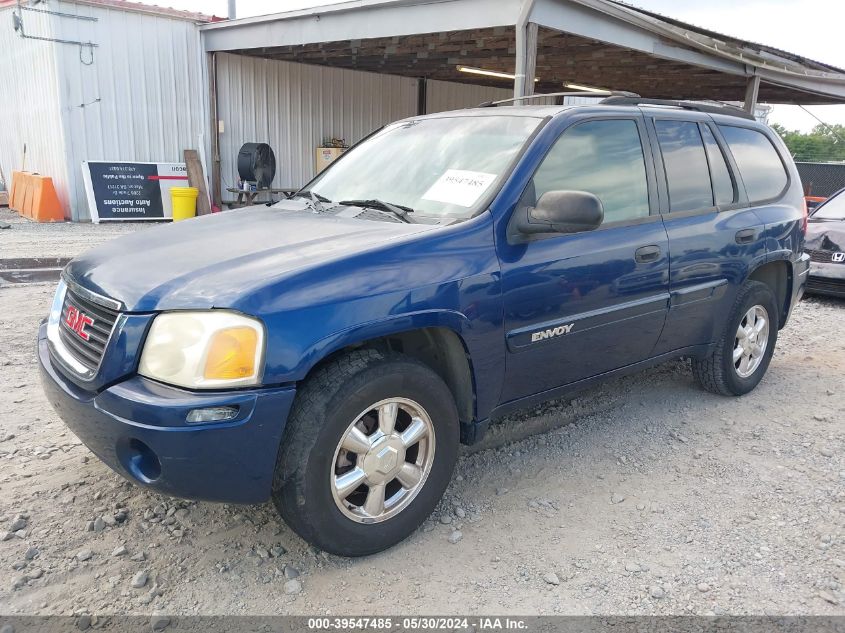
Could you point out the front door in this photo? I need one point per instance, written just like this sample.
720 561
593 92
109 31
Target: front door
581 304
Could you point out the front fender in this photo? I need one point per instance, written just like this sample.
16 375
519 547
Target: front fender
452 320
450 280
481 339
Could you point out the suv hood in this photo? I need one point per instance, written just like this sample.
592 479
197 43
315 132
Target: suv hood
213 260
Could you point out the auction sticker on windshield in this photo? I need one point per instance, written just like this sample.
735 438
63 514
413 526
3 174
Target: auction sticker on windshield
460 187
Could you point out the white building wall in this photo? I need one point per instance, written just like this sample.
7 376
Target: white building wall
142 98
30 112
293 107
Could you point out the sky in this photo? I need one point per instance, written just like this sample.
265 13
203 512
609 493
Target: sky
812 28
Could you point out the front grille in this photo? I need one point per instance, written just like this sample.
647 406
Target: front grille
826 285
822 257
88 351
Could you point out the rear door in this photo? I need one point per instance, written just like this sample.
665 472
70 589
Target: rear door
714 237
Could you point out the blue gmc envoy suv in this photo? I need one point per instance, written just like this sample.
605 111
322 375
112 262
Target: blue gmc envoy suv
331 351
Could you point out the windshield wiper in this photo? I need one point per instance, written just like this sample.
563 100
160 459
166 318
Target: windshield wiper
399 210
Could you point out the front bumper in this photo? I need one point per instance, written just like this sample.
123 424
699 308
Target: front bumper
138 428
827 279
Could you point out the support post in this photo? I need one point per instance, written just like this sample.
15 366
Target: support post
526 52
752 88
216 186
531 56
422 96
526 60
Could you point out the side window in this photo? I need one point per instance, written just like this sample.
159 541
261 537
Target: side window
723 186
759 164
604 158
687 173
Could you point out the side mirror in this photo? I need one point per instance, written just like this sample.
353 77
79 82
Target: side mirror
562 212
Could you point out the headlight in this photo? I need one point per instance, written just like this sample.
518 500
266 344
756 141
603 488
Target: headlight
204 350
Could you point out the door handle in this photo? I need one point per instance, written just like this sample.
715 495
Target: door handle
745 236
646 254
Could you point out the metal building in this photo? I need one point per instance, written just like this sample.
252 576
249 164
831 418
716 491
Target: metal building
97 80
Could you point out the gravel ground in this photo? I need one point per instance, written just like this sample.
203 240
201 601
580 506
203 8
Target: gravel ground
25 238
643 496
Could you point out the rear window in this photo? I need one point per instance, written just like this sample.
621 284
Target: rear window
723 186
687 174
759 164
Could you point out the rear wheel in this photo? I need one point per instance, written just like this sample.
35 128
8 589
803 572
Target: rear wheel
369 450
744 350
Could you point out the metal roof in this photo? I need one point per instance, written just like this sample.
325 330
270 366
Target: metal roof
762 48
135 7
609 43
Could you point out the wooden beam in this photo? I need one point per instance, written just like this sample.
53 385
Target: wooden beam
196 178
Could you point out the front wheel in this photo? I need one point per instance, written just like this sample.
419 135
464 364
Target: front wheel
369 450
743 352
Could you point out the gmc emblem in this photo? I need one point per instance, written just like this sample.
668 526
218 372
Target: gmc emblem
77 321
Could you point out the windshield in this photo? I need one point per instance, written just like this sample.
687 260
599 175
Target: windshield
833 209
439 167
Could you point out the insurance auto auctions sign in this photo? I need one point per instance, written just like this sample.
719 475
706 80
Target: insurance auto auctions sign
131 191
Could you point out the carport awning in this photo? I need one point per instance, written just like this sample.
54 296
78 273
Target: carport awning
588 42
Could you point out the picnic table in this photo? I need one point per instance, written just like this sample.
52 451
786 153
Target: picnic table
247 198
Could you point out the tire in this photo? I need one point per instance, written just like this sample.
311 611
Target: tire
305 488
718 372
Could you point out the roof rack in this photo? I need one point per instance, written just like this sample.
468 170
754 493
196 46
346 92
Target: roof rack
686 105
581 93
620 97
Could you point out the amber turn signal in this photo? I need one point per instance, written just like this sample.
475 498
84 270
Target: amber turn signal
231 354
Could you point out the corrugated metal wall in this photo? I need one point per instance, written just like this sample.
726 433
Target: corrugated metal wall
293 107
446 95
142 98
29 102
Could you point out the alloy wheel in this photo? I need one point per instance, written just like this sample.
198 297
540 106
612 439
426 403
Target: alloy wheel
751 341
382 460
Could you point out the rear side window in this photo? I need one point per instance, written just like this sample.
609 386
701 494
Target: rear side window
685 162
723 186
604 158
759 164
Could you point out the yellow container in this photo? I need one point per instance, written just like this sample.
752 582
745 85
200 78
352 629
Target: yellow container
184 202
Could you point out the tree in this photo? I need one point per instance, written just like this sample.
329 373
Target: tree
822 144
